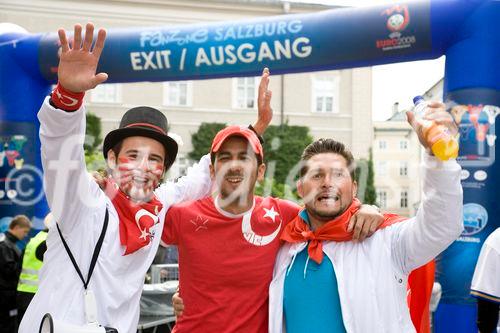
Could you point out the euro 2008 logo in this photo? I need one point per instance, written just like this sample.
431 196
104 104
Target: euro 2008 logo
475 219
395 22
398 18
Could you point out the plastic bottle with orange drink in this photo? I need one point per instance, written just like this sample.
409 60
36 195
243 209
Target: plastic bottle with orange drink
444 145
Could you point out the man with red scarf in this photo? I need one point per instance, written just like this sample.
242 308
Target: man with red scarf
325 282
228 243
138 154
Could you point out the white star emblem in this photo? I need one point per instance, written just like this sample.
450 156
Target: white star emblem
144 234
271 213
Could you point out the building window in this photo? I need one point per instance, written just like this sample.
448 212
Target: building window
381 168
404 199
403 144
382 144
245 93
325 93
403 169
177 93
382 198
107 93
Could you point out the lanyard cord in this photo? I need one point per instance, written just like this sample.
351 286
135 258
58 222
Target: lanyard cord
94 255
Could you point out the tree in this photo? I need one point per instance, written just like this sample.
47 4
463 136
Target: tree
283 146
93 157
370 193
95 161
92 133
365 178
270 188
202 139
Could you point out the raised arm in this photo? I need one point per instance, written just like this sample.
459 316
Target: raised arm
439 218
69 190
265 111
194 185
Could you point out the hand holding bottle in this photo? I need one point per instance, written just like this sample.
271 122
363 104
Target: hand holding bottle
435 128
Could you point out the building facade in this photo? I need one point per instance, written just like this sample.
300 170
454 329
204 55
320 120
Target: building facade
396 158
333 104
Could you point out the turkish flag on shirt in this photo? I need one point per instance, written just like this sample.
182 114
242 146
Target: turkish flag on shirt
226 263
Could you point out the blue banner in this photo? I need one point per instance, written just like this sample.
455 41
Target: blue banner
475 111
20 179
337 38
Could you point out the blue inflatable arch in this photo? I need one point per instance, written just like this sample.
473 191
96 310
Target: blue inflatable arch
463 30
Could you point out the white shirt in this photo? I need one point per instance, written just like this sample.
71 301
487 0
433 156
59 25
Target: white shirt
486 279
372 275
78 204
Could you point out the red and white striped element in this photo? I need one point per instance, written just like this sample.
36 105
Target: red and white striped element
66 100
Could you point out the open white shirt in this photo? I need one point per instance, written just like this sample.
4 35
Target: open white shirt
372 275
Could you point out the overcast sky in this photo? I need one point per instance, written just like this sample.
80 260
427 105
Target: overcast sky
396 82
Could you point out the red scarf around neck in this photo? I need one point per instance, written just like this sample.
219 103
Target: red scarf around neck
135 219
298 230
420 280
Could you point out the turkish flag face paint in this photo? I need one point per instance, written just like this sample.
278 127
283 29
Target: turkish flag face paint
138 176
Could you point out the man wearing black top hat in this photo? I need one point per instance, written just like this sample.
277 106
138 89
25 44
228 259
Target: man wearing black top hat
138 154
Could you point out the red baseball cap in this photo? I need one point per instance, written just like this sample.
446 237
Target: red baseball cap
236 130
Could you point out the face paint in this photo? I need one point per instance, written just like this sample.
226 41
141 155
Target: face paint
138 178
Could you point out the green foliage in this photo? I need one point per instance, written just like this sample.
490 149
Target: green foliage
365 178
370 193
283 147
202 139
93 156
270 188
95 161
92 133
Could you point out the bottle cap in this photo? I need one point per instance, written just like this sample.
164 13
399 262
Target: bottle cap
417 99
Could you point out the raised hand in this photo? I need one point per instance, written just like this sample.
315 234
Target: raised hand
436 111
264 104
78 64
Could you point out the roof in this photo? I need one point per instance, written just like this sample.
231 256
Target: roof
398 116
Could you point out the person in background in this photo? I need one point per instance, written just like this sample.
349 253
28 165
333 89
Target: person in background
10 267
31 264
486 284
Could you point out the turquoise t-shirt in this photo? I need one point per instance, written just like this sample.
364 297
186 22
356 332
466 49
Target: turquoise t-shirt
311 300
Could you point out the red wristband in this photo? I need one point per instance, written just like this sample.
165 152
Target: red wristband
66 100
